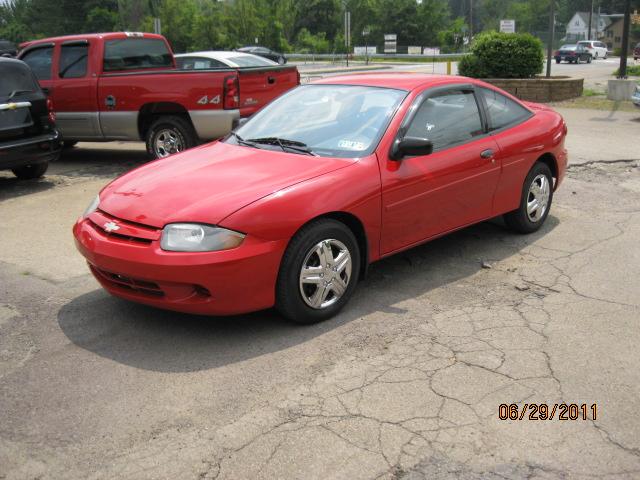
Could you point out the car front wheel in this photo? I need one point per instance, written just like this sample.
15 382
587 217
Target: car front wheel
31 171
535 201
318 273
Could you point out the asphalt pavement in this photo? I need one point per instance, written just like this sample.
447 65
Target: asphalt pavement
406 382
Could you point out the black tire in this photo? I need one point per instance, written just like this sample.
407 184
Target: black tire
557 60
518 220
180 128
29 172
289 300
589 60
69 143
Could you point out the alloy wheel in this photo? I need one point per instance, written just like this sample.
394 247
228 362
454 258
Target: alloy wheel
538 198
167 143
325 273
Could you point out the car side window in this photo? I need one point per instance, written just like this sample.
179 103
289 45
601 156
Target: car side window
503 111
447 119
73 61
39 60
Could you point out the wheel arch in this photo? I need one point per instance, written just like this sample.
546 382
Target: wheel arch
150 111
550 161
356 226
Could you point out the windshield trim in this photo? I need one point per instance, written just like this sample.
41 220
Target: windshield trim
374 145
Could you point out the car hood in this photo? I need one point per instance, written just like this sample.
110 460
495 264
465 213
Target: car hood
208 183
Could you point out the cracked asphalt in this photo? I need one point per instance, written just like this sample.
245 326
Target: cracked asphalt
405 383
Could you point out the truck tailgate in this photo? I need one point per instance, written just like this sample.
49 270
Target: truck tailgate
258 86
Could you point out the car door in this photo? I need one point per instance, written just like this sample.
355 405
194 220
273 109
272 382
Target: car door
75 98
425 196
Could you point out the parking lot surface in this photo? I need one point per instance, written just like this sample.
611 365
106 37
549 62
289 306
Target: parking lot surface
406 382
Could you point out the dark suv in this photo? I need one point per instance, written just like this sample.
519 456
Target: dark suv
28 137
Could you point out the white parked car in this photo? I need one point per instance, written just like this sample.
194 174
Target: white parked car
215 59
595 48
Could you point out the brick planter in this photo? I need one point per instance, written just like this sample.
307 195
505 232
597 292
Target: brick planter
540 89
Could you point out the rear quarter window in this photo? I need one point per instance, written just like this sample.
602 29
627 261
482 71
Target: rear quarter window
15 76
503 112
136 54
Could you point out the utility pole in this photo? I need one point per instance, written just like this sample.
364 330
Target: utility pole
552 29
590 20
622 71
470 20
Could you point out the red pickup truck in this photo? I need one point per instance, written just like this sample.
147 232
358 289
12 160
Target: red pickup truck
125 86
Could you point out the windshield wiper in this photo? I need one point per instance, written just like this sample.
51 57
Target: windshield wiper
285 144
242 141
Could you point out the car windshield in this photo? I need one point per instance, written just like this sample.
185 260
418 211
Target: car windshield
15 78
331 120
568 47
251 61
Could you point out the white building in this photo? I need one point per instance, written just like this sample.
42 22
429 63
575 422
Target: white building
578 26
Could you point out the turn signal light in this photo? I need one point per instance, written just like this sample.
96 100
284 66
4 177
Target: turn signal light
52 114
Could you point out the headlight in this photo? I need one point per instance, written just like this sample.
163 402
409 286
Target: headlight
93 207
194 237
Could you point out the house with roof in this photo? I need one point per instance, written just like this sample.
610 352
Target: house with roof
613 33
578 26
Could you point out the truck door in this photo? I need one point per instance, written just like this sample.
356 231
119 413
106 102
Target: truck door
75 96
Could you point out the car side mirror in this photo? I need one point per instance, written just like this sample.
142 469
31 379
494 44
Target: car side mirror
411 147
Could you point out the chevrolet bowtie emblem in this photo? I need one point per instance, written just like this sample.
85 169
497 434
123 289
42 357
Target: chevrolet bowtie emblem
111 227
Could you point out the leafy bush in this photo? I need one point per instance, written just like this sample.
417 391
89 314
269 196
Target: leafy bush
503 55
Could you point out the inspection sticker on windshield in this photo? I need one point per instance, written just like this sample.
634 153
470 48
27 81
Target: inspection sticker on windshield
351 145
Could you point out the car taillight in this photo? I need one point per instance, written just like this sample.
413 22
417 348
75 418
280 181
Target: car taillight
231 92
52 114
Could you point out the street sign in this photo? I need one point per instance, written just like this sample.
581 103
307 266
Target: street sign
366 50
414 50
508 26
390 43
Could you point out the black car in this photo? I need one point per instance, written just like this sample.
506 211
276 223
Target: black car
28 137
8 49
572 54
264 52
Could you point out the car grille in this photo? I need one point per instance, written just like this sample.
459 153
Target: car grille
143 235
145 287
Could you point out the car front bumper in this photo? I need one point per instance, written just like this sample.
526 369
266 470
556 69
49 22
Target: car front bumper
29 151
227 282
635 98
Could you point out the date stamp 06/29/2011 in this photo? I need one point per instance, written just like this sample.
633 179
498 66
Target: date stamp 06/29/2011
542 411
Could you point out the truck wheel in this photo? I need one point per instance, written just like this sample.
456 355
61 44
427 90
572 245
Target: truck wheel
168 135
69 143
31 171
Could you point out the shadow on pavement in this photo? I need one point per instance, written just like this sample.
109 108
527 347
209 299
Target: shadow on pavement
11 186
157 340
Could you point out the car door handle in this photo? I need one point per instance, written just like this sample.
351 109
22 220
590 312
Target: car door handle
110 102
488 153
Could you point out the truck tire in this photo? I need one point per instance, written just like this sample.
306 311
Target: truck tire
31 171
168 135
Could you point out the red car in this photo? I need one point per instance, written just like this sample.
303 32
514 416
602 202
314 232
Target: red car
291 207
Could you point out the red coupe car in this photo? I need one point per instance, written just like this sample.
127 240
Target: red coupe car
291 207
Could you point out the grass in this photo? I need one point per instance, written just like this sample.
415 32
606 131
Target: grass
632 71
589 92
597 101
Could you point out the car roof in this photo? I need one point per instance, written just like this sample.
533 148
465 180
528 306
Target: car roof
88 36
398 80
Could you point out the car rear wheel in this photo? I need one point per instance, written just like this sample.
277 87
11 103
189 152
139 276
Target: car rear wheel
318 273
31 171
168 135
557 60
589 60
535 201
